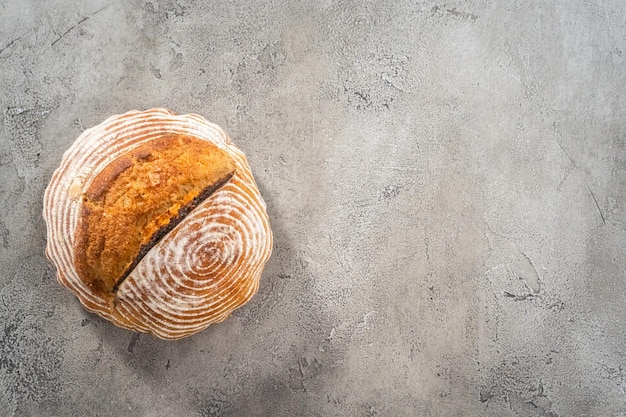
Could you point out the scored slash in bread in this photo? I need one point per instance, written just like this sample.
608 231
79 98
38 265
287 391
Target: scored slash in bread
155 223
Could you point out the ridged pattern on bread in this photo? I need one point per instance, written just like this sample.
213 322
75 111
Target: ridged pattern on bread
197 274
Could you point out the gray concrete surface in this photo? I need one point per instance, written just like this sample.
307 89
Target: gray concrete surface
445 182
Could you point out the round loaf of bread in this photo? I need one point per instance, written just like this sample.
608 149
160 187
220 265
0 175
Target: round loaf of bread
155 222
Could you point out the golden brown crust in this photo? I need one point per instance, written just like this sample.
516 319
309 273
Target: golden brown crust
136 197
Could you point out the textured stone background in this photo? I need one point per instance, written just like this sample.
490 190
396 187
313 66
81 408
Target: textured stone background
445 182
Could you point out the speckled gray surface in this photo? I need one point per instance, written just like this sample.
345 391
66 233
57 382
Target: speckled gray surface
445 183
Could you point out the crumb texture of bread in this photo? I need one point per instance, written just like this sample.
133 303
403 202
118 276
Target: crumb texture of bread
137 198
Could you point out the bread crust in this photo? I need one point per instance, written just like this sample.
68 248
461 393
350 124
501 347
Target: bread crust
137 199
193 274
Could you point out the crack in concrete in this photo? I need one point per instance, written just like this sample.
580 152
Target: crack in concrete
10 44
77 24
593 196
